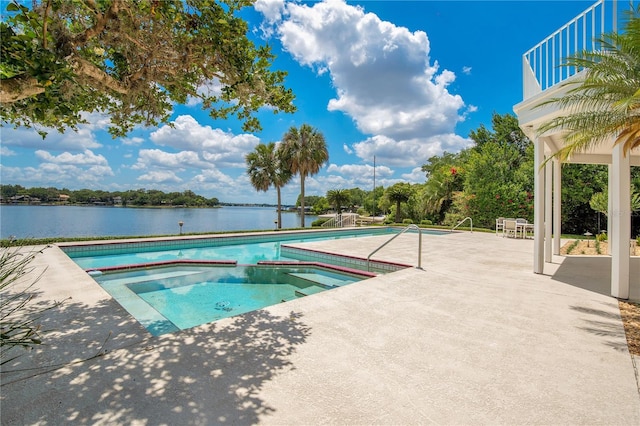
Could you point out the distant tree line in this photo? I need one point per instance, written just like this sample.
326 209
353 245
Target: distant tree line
138 197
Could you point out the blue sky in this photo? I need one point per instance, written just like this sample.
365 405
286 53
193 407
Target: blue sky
398 80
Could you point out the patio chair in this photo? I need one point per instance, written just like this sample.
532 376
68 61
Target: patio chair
521 225
509 228
499 224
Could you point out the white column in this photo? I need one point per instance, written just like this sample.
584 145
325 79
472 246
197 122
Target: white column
609 209
620 196
557 205
548 210
538 207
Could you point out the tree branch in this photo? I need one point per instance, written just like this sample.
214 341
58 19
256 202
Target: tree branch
18 88
85 68
101 23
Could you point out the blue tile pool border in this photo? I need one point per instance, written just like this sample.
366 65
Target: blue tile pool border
102 248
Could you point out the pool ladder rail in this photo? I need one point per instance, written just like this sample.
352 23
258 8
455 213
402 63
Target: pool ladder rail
412 226
463 221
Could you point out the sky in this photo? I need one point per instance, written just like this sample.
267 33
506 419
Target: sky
398 81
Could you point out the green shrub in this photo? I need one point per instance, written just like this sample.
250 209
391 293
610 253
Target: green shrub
426 222
19 317
318 222
601 237
407 221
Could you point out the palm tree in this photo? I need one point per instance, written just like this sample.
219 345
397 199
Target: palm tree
305 152
338 198
605 103
399 193
266 167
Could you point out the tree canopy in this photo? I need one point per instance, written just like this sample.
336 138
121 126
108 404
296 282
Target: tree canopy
132 59
266 167
305 150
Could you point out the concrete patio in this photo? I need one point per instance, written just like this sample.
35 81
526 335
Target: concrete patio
474 338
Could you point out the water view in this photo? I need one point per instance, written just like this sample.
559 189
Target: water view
28 221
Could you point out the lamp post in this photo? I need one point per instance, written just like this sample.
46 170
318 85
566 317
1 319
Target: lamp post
180 224
275 224
588 234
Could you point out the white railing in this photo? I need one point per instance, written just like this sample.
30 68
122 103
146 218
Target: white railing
463 221
412 226
543 64
341 221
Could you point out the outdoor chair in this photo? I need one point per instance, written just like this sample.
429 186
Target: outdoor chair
521 226
499 224
509 228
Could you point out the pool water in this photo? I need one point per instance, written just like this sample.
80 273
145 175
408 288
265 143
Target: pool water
242 249
241 253
166 299
169 299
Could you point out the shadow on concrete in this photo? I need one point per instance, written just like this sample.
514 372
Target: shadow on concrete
211 374
605 323
593 273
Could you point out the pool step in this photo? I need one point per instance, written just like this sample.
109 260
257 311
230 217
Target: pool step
320 279
313 289
150 277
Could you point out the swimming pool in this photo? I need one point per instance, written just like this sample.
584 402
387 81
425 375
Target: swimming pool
244 249
168 299
157 281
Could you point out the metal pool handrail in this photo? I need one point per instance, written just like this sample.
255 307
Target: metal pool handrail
463 221
412 226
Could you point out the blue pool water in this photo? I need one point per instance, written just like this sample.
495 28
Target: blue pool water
166 299
169 299
243 249
242 253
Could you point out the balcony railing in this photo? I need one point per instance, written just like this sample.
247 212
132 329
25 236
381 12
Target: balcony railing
543 63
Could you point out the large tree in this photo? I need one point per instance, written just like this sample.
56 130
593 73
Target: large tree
132 59
306 152
604 102
266 167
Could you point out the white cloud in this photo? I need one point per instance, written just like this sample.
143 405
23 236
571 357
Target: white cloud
357 170
150 158
212 145
61 175
160 177
83 139
356 175
416 176
466 70
271 9
383 75
346 149
133 141
409 153
85 158
4 151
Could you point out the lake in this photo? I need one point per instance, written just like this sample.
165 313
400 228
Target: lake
30 221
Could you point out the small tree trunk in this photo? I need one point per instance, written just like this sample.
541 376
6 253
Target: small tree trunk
279 208
302 200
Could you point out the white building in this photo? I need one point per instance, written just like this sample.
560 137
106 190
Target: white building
543 79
